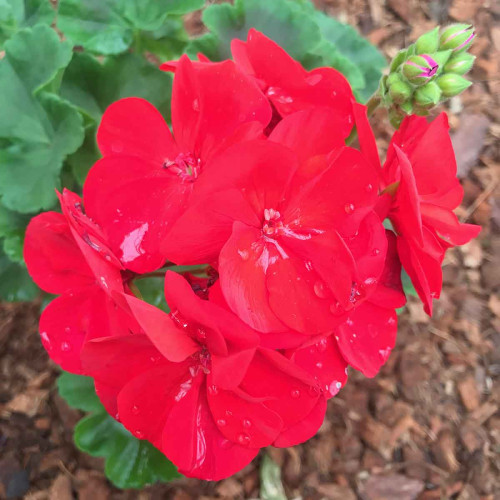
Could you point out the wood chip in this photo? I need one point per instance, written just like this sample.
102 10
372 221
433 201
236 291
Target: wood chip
391 487
469 393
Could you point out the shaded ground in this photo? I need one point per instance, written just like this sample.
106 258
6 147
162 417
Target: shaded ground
428 427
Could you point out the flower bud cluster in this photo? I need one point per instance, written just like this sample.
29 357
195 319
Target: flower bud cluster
428 72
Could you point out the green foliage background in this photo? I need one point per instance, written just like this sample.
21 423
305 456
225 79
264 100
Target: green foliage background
59 70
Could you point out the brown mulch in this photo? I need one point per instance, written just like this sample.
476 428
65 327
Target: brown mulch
427 427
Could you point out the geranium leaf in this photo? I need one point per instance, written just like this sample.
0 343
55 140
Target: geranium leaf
15 282
96 25
79 392
17 14
281 20
151 290
130 462
30 170
92 86
12 227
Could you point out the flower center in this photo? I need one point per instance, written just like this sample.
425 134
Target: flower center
186 166
273 224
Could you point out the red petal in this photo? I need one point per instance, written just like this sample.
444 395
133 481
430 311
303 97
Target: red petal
194 443
446 224
366 137
172 342
202 230
367 337
243 265
295 132
52 256
327 202
288 390
248 423
135 224
206 109
134 127
304 429
324 362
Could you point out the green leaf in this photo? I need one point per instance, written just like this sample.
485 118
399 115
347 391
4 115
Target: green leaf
152 291
355 49
79 392
408 287
30 170
281 20
130 462
17 14
92 86
12 228
97 25
15 282
151 14
271 486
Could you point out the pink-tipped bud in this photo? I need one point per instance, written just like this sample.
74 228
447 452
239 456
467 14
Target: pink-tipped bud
420 69
457 37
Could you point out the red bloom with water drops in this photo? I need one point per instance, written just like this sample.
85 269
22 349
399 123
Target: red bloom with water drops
198 386
147 174
68 255
421 192
284 224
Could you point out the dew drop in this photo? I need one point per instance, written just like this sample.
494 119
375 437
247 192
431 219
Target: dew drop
334 388
321 345
139 434
247 423
375 252
243 438
196 105
117 416
244 254
385 353
319 365
309 265
369 188
213 390
65 346
295 393
221 422
391 321
349 208
135 410
314 79
46 340
67 330
319 290
229 413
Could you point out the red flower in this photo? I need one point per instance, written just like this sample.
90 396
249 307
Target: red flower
288 85
146 176
199 388
67 254
283 223
420 174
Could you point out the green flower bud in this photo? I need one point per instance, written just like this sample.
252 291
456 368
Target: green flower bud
442 57
457 37
460 63
428 42
428 95
407 107
420 69
399 91
399 59
452 84
395 117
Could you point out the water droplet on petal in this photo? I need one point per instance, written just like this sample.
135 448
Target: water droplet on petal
334 388
229 413
213 390
117 416
391 321
65 346
295 393
375 252
309 265
135 410
196 105
319 365
221 422
314 79
46 340
321 345
138 434
369 188
385 353
244 254
67 330
243 438
247 423
349 208
320 290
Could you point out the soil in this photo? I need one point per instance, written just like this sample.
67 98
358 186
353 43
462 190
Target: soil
427 427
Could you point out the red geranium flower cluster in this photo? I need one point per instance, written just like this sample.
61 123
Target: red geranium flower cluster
256 182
